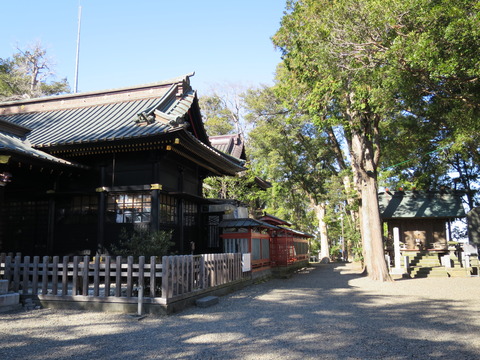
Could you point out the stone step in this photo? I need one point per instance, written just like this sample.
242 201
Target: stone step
207 301
424 261
439 271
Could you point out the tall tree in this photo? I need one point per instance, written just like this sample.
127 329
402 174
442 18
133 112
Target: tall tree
27 74
217 117
222 113
294 155
361 63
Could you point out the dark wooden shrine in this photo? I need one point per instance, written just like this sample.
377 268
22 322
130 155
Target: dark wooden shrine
78 168
423 217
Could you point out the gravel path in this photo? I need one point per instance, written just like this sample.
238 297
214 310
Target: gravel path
323 312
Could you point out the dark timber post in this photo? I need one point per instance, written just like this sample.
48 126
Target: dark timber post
155 204
51 219
2 216
101 212
181 217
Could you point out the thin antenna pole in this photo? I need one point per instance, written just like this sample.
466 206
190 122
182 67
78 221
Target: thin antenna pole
78 49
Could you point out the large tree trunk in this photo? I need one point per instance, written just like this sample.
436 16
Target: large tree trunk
320 210
372 230
365 157
322 227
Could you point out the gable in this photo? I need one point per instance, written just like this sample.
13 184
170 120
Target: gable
160 116
231 144
420 204
111 115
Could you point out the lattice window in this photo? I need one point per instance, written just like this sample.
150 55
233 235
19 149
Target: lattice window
190 213
130 207
168 210
213 231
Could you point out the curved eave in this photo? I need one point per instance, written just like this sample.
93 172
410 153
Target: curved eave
12 146
246 222
219 164
296 232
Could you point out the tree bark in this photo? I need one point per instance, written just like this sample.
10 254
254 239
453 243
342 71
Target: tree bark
365 156
375 264
320 210
322 227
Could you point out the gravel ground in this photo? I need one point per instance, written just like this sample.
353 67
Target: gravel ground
323 312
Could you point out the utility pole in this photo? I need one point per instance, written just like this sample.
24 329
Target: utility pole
75 85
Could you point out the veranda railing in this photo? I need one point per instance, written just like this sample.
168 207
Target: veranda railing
115 278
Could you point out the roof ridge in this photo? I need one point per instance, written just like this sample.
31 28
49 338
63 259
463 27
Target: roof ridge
78 100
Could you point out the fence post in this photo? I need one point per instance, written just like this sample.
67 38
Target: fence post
165 277
55 275
107 276
45 275
192 273
36 261
118 276
75 275
16 273
129 275
65 276
175 275
86 265
26 268
153 273
96 276
203 273
141 274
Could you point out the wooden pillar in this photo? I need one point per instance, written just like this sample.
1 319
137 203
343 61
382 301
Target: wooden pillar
181 226
51 223
2 217
101 212
51 218
155 201
181 211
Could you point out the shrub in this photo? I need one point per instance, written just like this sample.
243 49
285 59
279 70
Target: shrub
143 242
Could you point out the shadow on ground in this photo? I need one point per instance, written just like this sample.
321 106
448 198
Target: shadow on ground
316 314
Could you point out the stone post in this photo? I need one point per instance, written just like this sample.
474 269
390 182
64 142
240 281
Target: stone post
396 247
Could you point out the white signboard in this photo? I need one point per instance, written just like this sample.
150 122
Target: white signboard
246 262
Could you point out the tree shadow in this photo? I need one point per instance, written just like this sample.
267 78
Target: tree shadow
322 312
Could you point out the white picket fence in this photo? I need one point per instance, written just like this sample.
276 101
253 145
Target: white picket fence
105 278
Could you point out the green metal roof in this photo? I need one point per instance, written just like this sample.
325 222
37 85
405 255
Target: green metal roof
103 116
245 222
421 204
169 108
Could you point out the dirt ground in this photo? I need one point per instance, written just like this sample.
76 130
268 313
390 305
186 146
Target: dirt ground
323 312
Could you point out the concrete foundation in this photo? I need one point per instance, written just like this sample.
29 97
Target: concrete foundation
8 300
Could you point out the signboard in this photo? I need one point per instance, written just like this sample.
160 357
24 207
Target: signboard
246 262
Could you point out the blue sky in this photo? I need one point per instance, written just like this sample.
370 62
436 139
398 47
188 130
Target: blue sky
127 43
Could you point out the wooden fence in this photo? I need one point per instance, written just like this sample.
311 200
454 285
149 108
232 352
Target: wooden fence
113 278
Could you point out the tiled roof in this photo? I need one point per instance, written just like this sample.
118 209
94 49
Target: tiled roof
420 204
55 124
11 144
101 116
298 233
245 222
231 144
275 220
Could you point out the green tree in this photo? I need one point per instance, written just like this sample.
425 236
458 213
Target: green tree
217 118
294 155
27 74
359 64
222 113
